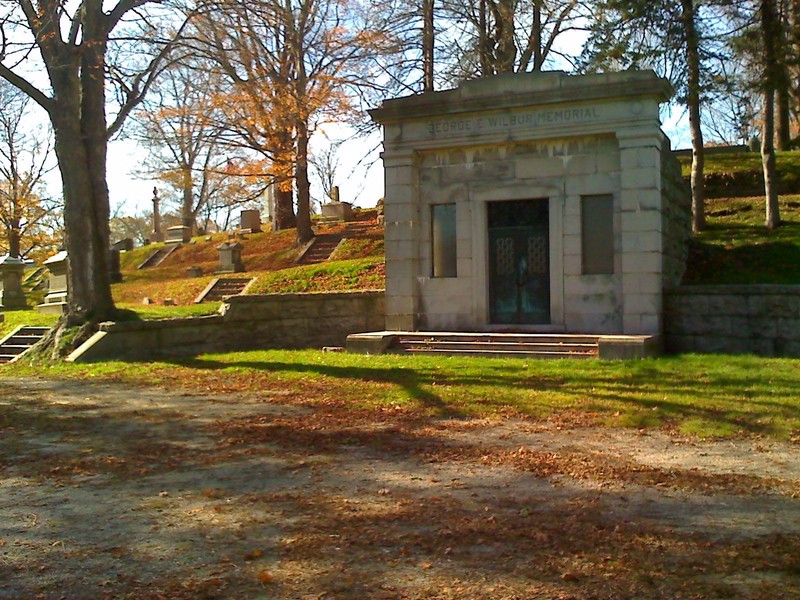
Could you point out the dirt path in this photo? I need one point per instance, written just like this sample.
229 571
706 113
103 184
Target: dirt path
110 491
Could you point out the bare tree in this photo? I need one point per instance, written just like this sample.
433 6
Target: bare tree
25 215
180 124
504 36
291 64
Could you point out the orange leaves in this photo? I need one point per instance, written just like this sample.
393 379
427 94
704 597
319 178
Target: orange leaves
265 577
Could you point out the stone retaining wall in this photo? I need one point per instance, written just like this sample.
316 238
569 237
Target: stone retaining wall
244 323
734 319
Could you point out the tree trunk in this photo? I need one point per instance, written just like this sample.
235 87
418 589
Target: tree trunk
693 103
506 56
304 231
538 59
284 217
187 203
772 67
14 235
773 216
427 45
484 42
79 127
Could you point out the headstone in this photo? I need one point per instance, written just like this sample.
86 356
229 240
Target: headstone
379 209
179 234
754 144
12 296
114 273
195 271
123 245
338 210
230 258
250 220
56 299
147 301
157 235
170 302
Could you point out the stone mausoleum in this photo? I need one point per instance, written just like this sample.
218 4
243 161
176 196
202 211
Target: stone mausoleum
538 202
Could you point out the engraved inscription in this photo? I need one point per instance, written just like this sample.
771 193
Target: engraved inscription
513 120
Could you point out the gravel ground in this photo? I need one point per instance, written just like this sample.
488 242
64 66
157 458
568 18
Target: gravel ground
111 491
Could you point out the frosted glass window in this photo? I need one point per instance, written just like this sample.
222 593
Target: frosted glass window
443 238
597 234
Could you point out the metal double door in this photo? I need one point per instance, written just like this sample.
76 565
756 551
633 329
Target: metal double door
519 262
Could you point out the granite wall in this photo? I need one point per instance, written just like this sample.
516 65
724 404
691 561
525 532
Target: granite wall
733 319
244 323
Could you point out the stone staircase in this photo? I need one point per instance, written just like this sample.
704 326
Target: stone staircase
522 345
158 256
36 279
322 246
19 341
222 287
499 344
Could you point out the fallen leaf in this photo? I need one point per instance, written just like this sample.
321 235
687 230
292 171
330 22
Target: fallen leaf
265 577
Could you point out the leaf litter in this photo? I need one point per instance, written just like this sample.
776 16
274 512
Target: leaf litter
112 491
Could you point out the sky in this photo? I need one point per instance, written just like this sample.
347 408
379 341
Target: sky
359 176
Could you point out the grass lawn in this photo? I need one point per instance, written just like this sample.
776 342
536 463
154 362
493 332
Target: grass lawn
737 248
706 396
15 318
334 276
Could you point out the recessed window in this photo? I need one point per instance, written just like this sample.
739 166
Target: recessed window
597 234
443 239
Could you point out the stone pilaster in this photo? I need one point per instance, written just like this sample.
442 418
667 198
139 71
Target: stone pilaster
641 229
402 236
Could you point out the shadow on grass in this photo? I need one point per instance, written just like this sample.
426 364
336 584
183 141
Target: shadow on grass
735 395
770 262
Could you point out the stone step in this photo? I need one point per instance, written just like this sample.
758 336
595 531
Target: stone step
321 248
502 353
499 347
532 345
220 288
19 341
158 256
499 338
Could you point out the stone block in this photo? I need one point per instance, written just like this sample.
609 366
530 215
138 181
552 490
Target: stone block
401 212
775 305
497 170
637 241
401 322
628 347
644 262
572 245
642 303
640 179
537 167
402 231
642 221
370 343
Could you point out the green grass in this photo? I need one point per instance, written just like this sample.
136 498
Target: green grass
15 318
736 174
153 311
705 396
332 276
788 163
738 249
